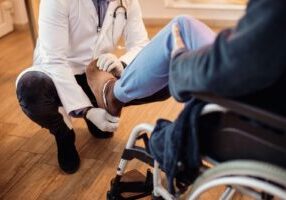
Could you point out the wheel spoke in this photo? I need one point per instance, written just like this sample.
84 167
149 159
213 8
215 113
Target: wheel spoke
228 193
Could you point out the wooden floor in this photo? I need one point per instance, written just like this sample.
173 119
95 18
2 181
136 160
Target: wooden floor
28 165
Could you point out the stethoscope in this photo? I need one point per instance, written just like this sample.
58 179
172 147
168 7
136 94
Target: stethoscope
121 6
118 8
114 16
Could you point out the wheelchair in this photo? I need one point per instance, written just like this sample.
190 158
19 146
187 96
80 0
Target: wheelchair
243 151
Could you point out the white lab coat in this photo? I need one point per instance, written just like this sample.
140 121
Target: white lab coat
68 41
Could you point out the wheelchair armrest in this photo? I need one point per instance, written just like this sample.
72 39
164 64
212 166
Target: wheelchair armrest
243 109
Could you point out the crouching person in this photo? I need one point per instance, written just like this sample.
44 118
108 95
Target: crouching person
39 99
55 88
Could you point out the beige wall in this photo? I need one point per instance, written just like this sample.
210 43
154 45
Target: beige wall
19 16
152 9
156 9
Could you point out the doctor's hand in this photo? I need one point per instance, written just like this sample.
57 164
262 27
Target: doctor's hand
110 63
104 121
178 43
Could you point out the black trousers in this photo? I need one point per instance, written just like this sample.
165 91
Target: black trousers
39 99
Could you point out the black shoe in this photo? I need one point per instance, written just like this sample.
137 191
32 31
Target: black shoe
96 132
68 157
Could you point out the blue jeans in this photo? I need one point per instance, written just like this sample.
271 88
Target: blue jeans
149 71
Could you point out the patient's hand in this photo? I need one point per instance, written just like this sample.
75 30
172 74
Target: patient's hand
178 43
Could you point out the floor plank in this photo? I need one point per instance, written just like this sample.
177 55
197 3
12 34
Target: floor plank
9 146
39 143
31 186
73 186
6 128
15 168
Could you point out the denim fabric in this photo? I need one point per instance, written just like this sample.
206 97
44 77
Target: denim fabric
175 145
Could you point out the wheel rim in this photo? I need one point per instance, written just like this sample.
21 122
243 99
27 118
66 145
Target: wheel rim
270 179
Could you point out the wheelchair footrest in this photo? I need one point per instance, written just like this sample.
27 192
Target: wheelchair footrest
132 185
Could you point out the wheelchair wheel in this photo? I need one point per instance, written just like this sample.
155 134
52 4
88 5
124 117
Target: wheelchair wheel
253 179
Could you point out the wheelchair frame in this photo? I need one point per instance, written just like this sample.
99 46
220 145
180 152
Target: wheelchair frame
253 174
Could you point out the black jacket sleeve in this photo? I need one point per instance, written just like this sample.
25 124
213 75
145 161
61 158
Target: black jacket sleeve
242 60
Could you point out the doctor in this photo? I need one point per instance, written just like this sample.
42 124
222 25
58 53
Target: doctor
71 34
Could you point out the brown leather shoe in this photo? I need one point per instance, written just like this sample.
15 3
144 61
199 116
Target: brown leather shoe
102 84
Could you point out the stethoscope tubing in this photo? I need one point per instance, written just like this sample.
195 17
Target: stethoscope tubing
121 6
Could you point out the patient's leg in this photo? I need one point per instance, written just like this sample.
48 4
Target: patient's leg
148 73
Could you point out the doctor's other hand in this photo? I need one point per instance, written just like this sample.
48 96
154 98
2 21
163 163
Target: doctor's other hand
110 63
102 119
178 42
